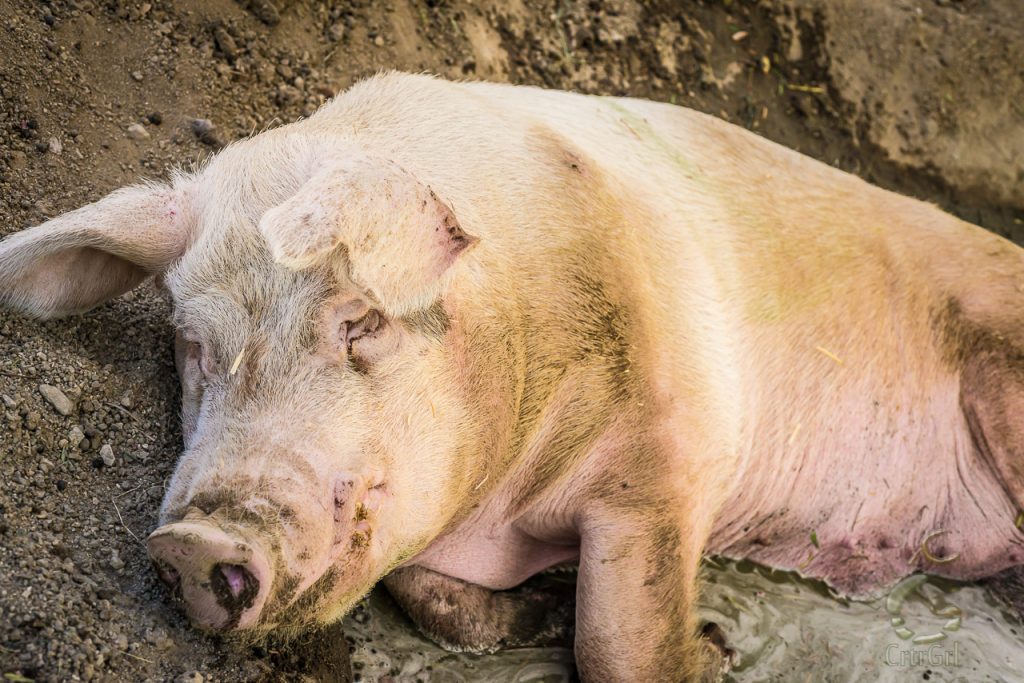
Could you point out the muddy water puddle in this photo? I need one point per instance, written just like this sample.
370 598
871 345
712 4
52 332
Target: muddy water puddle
781 627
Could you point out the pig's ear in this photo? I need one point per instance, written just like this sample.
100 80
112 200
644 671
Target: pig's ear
394 235
85 257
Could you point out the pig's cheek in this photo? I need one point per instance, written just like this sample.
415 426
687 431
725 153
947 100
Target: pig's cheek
172 507
189 421
191 408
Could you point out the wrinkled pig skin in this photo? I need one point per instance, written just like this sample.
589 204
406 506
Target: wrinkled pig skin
451 335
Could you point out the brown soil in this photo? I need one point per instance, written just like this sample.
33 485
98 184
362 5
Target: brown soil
921 97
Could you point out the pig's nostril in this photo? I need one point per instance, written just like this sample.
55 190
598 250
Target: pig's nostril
168 574
235 576
234 586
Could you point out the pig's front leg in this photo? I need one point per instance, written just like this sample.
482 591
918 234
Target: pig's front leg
464 617
635 614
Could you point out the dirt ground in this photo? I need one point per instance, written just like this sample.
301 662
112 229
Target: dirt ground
923 97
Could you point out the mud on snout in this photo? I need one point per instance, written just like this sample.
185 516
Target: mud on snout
248 565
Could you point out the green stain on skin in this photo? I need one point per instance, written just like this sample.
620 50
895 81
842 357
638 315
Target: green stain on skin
648 135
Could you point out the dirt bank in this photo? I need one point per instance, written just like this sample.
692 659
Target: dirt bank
921 97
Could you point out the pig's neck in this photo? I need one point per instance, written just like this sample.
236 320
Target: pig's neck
524 523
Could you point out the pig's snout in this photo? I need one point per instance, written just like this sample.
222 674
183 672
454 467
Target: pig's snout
223 579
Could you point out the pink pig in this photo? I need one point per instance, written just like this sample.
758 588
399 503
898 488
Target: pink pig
450 335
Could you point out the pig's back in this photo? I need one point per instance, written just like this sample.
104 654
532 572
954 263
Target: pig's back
825 313
853 313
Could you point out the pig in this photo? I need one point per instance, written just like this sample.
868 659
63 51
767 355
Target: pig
450 335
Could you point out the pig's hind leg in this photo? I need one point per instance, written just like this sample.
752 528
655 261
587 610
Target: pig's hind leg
464 617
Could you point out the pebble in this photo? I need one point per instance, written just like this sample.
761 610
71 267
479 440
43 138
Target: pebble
9 402
206 132
137 131
265 11
137 75
288 94
116 563
55 146
107 455
61 403
225 42
75 436
156 118
190 677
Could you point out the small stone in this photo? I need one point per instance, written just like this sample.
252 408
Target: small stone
265 11
116 563
159 638
225 42
137 75
190 677
206 132
75 436
379 40
156 118
337 31
288 94
61 484
61 403
9 402
55 146
136 131
107 455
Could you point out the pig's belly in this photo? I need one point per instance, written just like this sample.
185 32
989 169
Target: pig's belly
492 553
850 495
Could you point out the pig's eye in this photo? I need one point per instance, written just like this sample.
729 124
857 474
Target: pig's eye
364 328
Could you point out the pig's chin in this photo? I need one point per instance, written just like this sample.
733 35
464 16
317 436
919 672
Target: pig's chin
325 601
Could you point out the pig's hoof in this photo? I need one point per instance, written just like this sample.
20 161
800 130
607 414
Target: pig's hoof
719 659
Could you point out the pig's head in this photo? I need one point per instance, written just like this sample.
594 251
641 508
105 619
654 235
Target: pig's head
321 404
